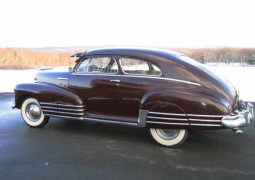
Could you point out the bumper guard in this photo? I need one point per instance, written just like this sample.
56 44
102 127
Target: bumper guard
242 118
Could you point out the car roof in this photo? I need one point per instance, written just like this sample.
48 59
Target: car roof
135 52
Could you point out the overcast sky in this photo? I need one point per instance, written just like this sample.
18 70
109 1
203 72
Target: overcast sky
154 23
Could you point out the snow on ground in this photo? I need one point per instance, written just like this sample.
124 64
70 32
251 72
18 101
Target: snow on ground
241 77
9 78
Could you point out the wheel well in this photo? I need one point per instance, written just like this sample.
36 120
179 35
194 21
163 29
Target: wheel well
22 99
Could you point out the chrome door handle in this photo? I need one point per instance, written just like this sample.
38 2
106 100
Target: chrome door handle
116 81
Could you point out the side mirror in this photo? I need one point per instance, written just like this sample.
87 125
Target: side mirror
70 69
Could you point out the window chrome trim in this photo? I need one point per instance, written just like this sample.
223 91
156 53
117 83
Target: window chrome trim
92 73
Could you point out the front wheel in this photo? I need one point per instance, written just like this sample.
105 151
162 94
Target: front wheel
169 137
32 113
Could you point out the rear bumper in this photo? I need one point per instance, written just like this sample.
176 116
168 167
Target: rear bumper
242 118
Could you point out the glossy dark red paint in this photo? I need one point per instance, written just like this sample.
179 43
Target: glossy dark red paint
185 89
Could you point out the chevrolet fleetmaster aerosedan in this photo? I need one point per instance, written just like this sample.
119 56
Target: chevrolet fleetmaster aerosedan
166 92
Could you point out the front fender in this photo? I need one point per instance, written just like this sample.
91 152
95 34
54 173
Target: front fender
45 92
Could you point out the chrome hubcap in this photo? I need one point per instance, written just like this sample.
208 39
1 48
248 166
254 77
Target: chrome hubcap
168 134
33 112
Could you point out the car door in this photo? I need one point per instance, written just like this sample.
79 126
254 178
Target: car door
96 81
139 77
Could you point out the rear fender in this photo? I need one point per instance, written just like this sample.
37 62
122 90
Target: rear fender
174 107
164 111
191 100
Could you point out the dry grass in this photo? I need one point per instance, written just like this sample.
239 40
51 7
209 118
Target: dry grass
14 58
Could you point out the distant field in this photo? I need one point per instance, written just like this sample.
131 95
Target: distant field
241 78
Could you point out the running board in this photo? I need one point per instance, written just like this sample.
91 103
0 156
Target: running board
141 120
110 122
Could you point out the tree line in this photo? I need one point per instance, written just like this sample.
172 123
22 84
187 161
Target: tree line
13 58
19 58
222 55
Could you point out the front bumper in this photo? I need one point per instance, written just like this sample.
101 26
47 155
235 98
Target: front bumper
240 119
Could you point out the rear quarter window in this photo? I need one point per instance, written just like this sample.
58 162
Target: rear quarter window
139 67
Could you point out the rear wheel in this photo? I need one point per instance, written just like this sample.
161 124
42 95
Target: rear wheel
32 113
169 137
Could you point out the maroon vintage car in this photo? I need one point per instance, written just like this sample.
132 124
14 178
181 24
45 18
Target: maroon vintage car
166 92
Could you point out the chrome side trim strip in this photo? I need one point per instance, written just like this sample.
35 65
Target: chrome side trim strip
204 120
77 114
64 105
77 110
175 119
48 107
49 111
67 117
200 115
110 121
70 105
215 125
193 115
137 76
171 114
167 123
51 104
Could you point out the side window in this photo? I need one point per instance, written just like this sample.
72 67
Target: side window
99 65
139 67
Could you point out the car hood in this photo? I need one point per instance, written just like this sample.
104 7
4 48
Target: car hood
219 84
53 76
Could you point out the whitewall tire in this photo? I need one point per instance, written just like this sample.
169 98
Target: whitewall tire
169 137
32 113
